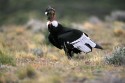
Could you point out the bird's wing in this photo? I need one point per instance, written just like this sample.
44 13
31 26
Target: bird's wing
70 35
84 44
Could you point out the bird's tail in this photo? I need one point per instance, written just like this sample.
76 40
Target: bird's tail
98 47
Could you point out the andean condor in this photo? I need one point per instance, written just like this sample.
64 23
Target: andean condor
71 40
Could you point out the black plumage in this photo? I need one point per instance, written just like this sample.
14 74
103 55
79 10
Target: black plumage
71 40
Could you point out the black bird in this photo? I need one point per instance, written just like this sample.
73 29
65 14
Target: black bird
71 40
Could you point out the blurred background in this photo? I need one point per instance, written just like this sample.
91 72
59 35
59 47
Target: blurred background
26 56
13 11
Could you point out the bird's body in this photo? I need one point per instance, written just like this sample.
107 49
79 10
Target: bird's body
71 40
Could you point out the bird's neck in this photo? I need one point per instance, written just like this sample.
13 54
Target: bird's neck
52 19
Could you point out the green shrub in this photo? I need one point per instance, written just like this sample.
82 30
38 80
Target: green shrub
117 57
7 59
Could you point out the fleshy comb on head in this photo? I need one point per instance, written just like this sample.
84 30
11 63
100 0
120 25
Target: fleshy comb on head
49 9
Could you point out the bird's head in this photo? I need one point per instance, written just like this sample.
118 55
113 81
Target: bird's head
50 13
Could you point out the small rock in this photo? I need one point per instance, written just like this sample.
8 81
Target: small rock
94 20
37 52
116 16
77 25
36 25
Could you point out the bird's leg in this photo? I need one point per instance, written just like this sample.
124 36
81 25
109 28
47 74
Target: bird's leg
68 52
71 54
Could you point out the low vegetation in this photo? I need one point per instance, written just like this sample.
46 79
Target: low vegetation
6 59
25 57
117 57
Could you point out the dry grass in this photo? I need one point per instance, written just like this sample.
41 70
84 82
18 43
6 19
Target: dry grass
53 66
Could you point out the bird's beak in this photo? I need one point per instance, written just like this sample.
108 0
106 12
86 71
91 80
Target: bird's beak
45 13
50 15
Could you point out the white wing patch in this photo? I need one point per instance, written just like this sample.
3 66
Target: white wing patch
80 43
